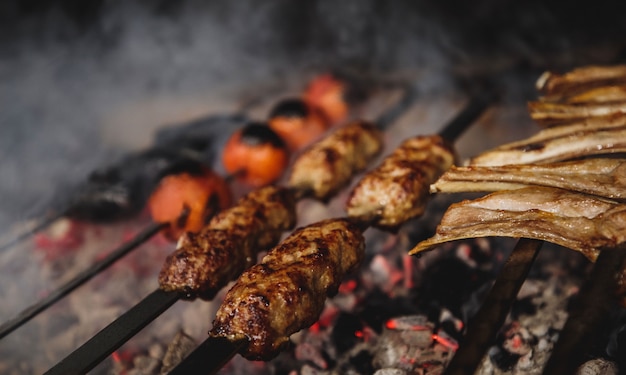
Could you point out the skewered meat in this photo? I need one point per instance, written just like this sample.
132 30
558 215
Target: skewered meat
601 177
580 222
546 113
286 291
396 190
327 166
206 261
580 79
594 136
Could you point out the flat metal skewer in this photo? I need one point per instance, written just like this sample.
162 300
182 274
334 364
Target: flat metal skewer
484 326
88 355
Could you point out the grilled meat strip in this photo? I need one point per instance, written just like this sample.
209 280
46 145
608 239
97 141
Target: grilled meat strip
396 190
554 84
206 261
601 177
590 137
327 166
548 114
605 94
286 291
577 221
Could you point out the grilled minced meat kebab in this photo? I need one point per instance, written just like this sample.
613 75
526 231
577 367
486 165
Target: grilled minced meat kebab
600 177
205 262
577 221
396 191
594 136
287 290
328 165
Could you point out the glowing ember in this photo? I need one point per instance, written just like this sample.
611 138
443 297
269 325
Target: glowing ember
448 343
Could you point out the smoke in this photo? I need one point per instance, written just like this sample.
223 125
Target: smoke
80 84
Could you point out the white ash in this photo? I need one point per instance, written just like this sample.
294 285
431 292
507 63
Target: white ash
598 366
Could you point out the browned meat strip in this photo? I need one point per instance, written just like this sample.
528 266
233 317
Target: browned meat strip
286 291
546 113
601 177
396 191
206 261
590 137
328 165
605 94
580 222
580 79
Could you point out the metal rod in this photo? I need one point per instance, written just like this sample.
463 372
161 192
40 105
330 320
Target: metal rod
589 314
210 356
44 223
479 102
115 334
392 114
84 276
482 329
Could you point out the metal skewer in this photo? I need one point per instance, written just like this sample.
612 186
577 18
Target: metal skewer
202 360
84 276
484 326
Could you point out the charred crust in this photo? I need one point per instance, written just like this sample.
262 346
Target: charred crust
184 216
331 155
211 207
532 147
292 108
258 134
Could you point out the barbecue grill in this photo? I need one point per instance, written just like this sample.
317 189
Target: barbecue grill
279 56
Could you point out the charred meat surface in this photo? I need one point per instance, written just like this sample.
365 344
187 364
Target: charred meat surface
397 190
286 291
577 221
601 177
206 261
327 166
